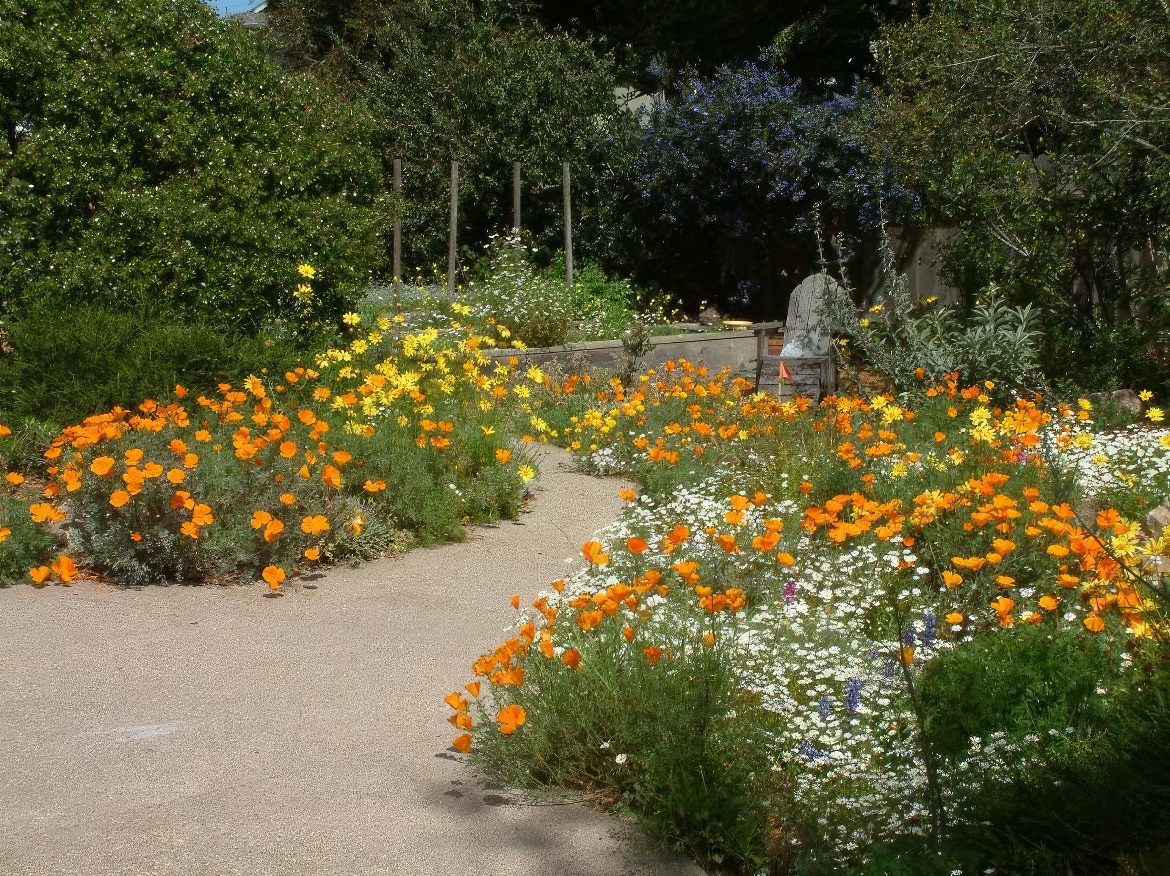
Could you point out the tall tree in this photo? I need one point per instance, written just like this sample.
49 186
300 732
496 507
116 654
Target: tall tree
476 82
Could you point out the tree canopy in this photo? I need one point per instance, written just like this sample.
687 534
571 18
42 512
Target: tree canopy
653 39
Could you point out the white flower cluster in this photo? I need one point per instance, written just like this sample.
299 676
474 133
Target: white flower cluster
1120 460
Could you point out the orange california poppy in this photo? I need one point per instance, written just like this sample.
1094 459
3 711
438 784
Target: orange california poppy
40 573
636 545
118 498
312 554
571 658
102 466
510 718
728 543
462 742
315 525
64 569
43 512
274 575
593 552
331 476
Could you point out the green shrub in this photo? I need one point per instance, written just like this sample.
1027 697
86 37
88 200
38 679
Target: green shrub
1025 680
158 154
899 336
1078 800
71 361
25 545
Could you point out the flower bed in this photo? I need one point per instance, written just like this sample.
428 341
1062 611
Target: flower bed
395 437
828 633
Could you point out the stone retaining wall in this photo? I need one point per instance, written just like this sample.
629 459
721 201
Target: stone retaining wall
717 350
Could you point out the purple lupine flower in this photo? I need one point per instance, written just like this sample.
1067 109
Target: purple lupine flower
808 752
929 628
825 707
853 689
789 591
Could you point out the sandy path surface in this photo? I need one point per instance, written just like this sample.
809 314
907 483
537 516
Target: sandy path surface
208 730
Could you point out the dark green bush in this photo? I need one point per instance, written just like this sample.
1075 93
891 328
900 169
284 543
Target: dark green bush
68 362
1095 790
1026 680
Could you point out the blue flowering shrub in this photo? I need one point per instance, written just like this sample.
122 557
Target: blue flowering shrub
737 172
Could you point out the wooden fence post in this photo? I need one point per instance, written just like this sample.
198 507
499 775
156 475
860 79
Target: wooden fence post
451 248
397 232
568 229
516 198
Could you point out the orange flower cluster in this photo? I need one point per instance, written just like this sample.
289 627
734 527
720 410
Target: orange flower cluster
282 458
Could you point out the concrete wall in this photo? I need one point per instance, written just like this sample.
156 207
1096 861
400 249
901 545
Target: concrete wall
916 253
731 349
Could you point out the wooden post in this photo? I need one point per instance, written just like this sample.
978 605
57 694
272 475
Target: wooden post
397 232
516 198
568 229
451 247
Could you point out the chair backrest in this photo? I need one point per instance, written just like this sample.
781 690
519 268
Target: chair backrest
808 331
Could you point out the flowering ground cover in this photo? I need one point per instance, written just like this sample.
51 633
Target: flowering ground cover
396 436
884 635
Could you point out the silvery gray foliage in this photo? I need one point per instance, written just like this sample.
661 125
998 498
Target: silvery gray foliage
898 336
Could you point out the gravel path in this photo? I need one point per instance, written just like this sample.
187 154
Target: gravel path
211 730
